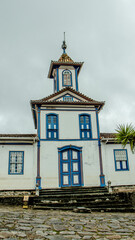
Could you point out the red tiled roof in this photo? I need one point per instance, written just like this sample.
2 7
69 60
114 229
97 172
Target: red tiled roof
18 135
47 101
88 100
70 103
107 135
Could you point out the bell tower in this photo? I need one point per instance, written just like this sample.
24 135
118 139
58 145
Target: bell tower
65 71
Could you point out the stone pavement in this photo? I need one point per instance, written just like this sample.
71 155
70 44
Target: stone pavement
17 223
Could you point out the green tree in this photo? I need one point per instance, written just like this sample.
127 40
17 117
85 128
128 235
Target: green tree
126 134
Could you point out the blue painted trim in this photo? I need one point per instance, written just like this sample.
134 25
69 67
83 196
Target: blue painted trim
52 130
38 180
70 173
66 70
92 139
67 97
57 79
69 147
85 129
70 110
102 181
127 164
76 79
22 172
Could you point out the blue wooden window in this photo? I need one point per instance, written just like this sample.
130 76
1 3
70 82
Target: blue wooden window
85 126
121 160
16 162
68 99
66 78
52 126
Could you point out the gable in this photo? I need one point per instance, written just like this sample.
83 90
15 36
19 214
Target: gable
67 97
76 95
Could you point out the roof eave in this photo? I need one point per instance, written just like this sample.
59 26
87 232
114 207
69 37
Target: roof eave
18 138
97 105
55 64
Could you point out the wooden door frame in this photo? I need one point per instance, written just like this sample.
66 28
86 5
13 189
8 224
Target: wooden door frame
62 149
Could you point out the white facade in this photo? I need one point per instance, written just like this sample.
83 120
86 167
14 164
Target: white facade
68 121
68 149
50 171
17 181
121 177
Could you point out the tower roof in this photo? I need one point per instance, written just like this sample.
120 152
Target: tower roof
56 64
64 60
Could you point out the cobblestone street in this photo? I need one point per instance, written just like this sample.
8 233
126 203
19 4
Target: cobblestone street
16 223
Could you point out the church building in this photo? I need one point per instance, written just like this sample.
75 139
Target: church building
68 149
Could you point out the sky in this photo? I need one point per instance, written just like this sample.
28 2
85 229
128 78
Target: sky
100 33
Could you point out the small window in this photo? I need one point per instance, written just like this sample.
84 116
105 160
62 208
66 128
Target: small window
68 99
121 160
16 162
52 126
85 126
66 78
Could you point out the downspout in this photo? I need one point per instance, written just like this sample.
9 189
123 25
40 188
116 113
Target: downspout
102 176
76 79
57 70
38 178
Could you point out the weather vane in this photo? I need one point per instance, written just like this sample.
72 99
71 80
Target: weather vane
64 46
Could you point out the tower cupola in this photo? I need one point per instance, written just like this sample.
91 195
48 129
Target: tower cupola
65 71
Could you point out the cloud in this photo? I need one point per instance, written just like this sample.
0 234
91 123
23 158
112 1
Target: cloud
100 33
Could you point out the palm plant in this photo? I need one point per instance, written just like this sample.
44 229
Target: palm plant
126 134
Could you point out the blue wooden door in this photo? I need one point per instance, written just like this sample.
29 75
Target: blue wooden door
70 168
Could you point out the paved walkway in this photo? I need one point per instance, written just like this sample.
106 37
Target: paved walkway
16 223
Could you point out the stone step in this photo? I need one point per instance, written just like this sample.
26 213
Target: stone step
106 209
73 194
72 190
95 198
68 194
97 201
83 203
77 199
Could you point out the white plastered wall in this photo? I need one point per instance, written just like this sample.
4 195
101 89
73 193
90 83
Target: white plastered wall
117 177
18 182
50 167
69 129
68 122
